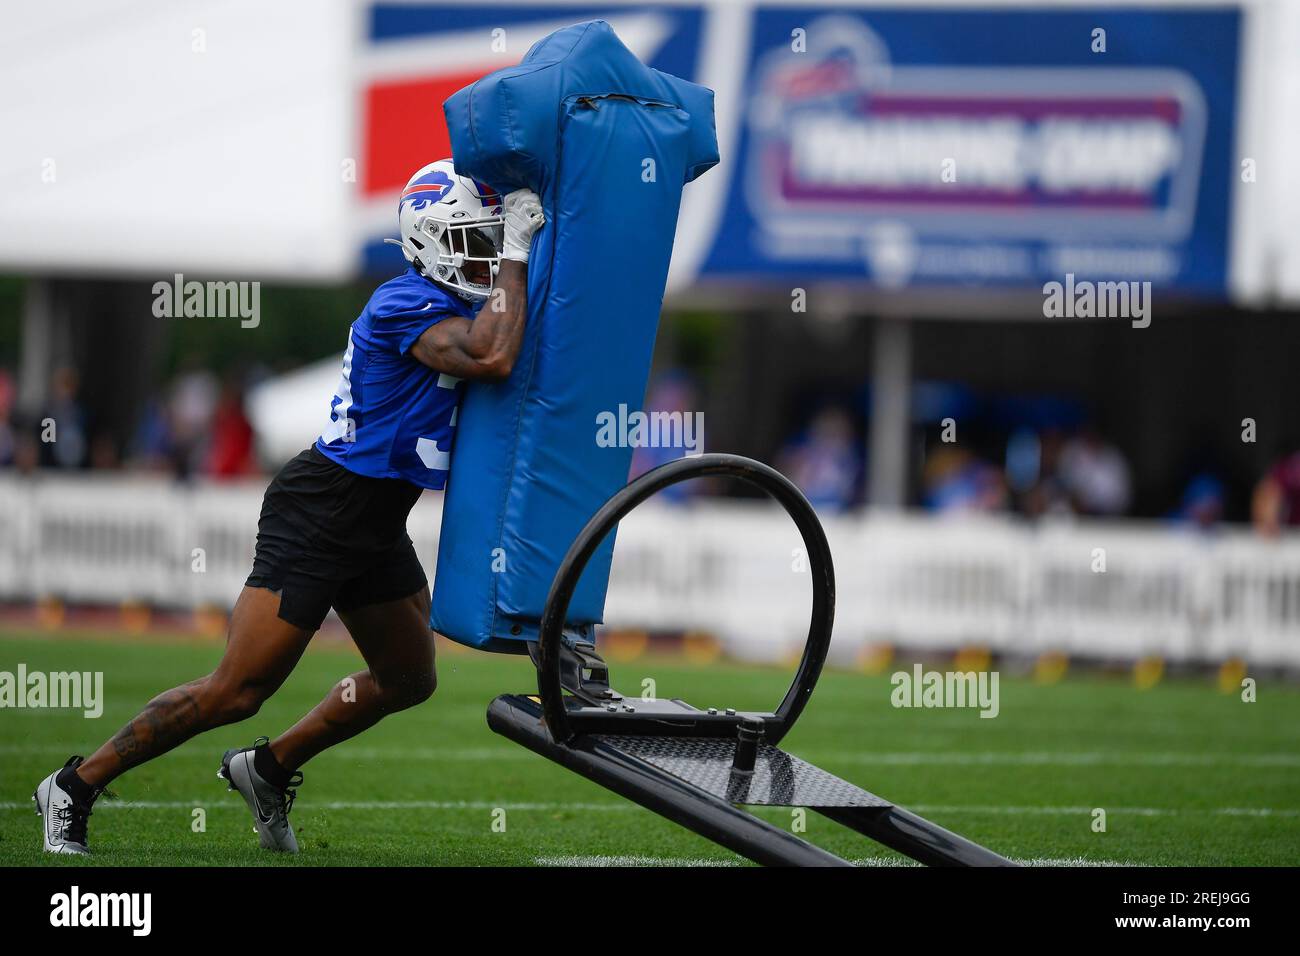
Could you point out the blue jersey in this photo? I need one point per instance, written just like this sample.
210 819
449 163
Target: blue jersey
393 417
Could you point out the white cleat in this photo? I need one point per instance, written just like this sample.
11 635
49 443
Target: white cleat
65 819
270 805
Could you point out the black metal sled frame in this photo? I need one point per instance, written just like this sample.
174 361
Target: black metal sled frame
694 767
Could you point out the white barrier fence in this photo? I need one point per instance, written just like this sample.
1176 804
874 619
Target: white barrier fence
734 568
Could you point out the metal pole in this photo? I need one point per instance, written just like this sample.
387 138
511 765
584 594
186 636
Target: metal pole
913 836
37 359
891 385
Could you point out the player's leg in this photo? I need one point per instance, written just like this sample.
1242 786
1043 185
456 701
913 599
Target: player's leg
397 645
261 650
335 538
386 608
395 640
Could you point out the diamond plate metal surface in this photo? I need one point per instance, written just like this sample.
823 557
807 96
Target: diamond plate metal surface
778 780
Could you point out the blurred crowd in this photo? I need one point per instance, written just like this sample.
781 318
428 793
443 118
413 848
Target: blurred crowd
1037 471
196 426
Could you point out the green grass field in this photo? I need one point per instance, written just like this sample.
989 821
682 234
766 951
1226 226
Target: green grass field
1186 775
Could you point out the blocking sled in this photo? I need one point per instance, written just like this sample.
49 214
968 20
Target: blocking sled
694 766
608 145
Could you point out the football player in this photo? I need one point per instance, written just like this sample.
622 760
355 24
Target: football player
332 531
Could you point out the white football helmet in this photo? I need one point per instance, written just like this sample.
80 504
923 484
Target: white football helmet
451 229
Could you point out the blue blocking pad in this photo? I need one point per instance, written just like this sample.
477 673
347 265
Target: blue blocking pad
608 144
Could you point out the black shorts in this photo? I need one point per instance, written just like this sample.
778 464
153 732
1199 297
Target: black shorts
330 537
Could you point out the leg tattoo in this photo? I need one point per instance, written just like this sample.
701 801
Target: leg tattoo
169 719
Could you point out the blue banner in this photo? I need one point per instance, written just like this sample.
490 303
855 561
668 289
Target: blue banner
984 147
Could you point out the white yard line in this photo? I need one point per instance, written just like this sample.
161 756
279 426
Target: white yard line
468 754
1033 861
611 807
867 758
604 861
1065 759
235 804
1133 811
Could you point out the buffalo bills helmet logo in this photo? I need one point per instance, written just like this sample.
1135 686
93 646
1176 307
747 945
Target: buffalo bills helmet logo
426 190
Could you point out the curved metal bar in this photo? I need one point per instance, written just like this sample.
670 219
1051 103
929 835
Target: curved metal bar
617 507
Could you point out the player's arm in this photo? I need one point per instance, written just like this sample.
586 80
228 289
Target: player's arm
486 346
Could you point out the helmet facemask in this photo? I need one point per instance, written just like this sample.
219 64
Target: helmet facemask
464 256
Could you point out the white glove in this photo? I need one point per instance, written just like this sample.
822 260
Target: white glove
523 217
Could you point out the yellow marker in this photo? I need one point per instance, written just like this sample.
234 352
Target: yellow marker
210 620
50 613
623 645
1148 671
875 658
701 647
972 659
1231 674
1051 667
135 616
791 655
